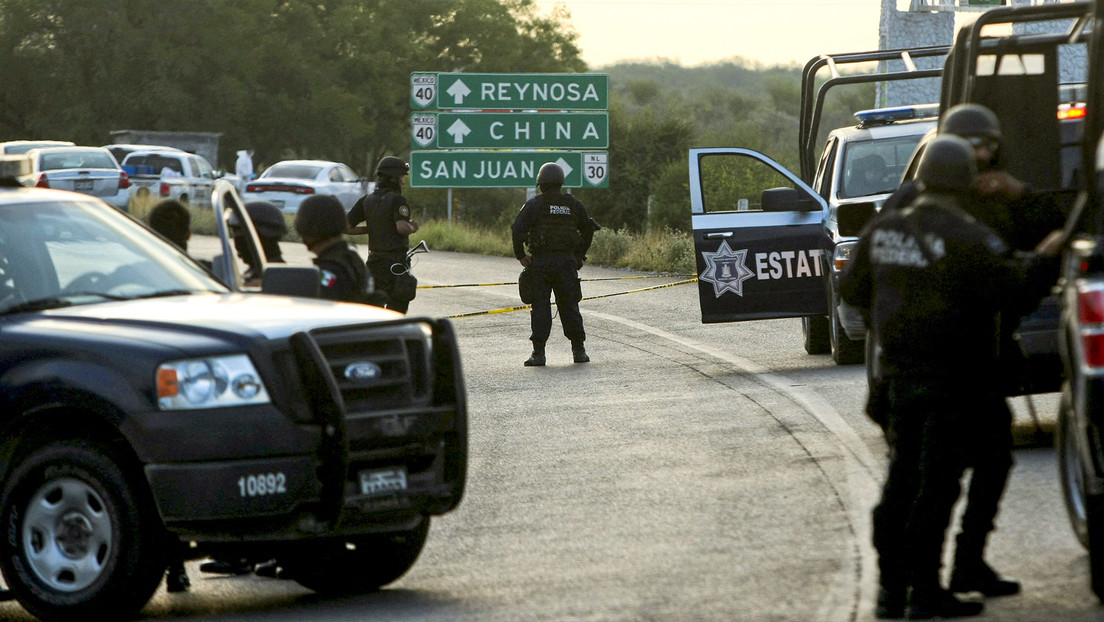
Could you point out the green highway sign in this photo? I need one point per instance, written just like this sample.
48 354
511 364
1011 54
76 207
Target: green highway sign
509 91
505 169
510 130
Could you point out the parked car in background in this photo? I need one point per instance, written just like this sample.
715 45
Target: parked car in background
14 147
121 151
286 184
88 170
171 174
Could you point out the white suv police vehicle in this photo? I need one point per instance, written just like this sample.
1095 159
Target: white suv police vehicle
768 244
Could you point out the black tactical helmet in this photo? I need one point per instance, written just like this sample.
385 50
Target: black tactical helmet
550 173
267 219
948 164
320 217
390 165
969 120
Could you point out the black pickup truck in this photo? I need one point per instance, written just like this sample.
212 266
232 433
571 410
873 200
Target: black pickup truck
151 410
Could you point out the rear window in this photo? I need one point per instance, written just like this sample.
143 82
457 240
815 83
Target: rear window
294 171
76 159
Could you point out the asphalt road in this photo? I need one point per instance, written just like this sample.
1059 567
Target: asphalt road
689 472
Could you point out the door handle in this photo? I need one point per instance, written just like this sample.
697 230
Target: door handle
718 235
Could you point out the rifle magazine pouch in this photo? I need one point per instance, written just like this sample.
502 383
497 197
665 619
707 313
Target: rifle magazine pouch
406 287
527 286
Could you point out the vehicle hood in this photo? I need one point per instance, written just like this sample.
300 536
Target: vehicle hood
275 317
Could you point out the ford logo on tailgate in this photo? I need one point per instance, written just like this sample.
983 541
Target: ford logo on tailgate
364 371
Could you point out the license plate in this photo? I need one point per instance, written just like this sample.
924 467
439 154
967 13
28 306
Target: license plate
83 185
382 482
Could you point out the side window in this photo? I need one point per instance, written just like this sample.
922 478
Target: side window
201 168
740 183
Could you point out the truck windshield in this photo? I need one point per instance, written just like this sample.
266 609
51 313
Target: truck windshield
78 252
875 166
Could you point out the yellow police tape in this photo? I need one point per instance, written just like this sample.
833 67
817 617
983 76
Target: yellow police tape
631 291
611 278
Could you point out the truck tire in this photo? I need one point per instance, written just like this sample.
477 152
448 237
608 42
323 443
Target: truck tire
844 350
183 199
81 540
1070 471
358 566
814 329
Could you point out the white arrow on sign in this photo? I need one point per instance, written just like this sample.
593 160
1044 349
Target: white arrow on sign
459 130
459 91
565 166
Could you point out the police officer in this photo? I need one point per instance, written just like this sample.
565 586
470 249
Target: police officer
1021 217
931 281
320 221
269 223
557 231
386 215
171 219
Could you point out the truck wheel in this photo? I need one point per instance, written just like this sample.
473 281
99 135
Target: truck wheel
183 199
1070 470
361 565
1086 511
80 542
815 331
844 350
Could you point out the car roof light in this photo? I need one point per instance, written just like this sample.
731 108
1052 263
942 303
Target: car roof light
885 116
13 166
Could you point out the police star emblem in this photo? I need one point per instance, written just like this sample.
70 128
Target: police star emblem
726 270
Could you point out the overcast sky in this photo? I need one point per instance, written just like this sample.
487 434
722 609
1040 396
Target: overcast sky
694 32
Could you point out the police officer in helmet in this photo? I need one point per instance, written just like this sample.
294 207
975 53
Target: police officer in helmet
555 229
932 281
386 215
320 221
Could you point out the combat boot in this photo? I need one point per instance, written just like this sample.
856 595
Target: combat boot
936 602
536 359
980 577
578 352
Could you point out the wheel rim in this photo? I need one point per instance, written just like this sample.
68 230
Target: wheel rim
67 534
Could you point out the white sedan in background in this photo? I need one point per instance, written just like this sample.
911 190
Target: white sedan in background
88 170
286 184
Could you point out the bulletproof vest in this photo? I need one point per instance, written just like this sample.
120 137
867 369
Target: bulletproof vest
554 229
380 219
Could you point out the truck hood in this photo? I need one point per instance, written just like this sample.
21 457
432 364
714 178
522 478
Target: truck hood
275 317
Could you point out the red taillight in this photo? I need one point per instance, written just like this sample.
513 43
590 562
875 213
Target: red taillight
1093 347
124 180
252 188
1074 111
1090 305
279 188
164 189
42 181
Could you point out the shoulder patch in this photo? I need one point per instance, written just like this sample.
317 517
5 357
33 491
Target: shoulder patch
404 211
329 279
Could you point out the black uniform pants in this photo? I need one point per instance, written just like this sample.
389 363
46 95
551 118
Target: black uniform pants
384 267
936 429
556 274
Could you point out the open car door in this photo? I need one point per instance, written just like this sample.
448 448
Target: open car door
758 237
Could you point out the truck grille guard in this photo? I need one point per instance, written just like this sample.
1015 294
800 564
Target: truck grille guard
406 366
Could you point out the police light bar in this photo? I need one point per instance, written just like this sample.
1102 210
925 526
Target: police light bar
13 166
885 116
1071 111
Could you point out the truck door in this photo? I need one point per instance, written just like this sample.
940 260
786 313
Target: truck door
758 236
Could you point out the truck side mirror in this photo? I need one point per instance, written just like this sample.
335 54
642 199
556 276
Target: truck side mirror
852 217
301 281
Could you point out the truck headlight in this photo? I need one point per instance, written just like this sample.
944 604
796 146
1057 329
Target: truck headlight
842 255
209 383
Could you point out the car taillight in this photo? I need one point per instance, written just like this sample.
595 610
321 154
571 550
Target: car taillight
124 180
42 181
164 189
1090 316
1090 304
252 188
